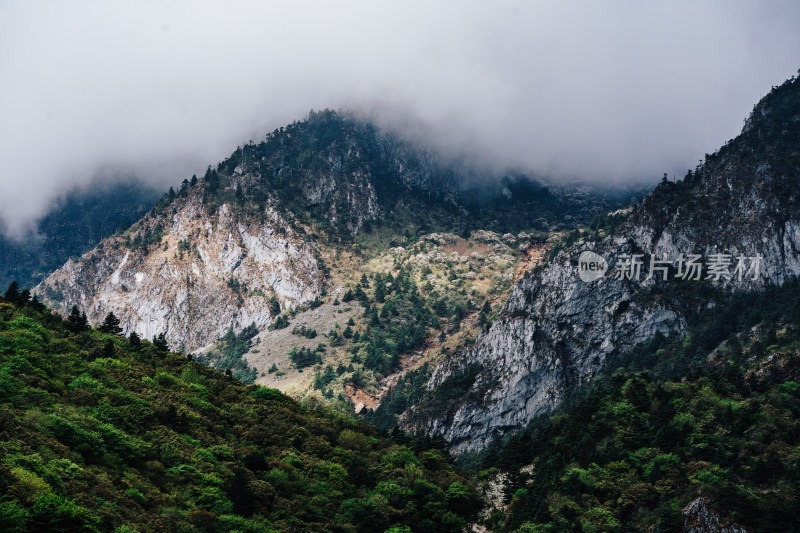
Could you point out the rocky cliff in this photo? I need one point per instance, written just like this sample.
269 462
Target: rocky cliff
195 276
556 330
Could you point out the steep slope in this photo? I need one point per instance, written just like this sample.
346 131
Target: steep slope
556 330
394 310
340 171
190 274
103 433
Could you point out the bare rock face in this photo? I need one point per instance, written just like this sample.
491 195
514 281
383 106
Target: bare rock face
553 334
206 274
699 517
556 330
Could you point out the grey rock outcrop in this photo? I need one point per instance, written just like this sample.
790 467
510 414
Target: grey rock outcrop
699 517
554 333
206 274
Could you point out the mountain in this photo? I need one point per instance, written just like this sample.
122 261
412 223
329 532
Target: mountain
552 338
257 234
556 331
103 433
75 225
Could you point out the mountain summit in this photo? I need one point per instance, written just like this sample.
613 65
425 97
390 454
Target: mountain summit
254 235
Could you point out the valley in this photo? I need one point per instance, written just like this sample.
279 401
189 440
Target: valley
457 278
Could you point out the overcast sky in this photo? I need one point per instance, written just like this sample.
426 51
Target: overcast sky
608 91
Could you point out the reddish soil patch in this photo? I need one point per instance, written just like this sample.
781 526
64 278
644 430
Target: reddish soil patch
360 397
531 256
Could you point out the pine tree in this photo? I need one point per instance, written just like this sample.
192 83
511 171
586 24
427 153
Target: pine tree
274 305
360 295
160 342
36 304
135 341
76 321
12 293
24 297
108 349
110 325
281 321
486 310
212 180
380 291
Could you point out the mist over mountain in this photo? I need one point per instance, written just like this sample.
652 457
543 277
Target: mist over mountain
76 223
611 93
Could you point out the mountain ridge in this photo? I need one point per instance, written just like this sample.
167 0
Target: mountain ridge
306 189
556 330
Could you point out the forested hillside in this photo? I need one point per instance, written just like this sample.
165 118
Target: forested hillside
103 433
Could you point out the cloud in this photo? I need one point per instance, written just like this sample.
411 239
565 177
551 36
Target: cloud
606 91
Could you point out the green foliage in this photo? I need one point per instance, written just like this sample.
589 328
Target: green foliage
147 440
274 306
228 354
323 379
712 325
408 391
607 459
12 293
455 390
110 324
160 342
76 321
281 321
400 326
303 331
265 393
304 357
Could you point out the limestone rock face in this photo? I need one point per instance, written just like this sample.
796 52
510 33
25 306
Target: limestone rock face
206 275
554 333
